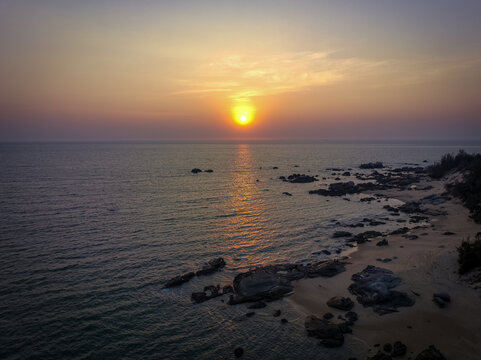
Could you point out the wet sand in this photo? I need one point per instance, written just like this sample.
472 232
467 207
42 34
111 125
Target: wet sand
426 265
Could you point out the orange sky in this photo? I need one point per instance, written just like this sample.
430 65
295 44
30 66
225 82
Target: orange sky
150 70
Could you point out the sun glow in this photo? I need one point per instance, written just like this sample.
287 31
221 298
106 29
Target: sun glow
243 115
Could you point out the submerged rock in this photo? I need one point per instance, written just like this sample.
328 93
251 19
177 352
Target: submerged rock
211 267
330 334
344 188
179 280
372 287
301 178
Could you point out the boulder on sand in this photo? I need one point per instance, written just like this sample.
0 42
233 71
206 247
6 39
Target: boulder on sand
330 334
341 303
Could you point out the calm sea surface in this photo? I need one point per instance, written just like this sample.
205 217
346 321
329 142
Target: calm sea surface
89 233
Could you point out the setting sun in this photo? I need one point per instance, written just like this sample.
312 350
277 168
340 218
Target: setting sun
243 115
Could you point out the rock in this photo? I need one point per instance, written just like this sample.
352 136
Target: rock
276 313
387 347
411 207
411 237
301 178
351 316
380 356
227 289
383 242
366 199
250 314
199 297
344 188
346 173
209 171
430 353
238 352
286 193
372 165
398 349
211 267
283 321
178 280
400 231
257 305
341 303
443 296
259 285
324 330
361 238
326 252
195 170
275 167
328 316
448 233
339 234
344 327
435 199
328 270
439 302
372 287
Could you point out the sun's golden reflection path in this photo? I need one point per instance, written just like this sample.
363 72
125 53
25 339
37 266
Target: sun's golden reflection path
245 230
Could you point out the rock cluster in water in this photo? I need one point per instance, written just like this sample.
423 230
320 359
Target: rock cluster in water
210 267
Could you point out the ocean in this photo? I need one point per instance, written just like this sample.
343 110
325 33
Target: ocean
90 232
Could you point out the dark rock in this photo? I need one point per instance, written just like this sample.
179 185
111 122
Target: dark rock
238 352
411 207
346 173
283 321
380 356
250 314
430 353
344 188
276 313
199 297
209 171
301 178
178 280
275 167
227 289
345 327
385 260
383 242
286 193
367 199
448 233
398 349
400 231
351 316
435 199
339 234
340 303
324 330
257 305
259 285
365 236
328 316
328 270
326 252
443 296
372 165
372 287
195 170
211 267
387 347
376 223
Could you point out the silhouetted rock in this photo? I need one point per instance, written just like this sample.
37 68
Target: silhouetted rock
344 188
400 231
383 242
211 267
301 178
340 303
257 305
209 171
339 234
238 352
330 334
195 170
351 316
346 173
372 287
328 316
430 353
286 193
178 280
372 165
398 349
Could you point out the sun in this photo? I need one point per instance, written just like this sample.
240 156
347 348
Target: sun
243 115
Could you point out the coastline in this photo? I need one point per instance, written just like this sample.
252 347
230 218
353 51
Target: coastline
426 265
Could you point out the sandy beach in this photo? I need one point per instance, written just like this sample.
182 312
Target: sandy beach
426 265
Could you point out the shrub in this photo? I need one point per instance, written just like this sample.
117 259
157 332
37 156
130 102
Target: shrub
469 254
462 161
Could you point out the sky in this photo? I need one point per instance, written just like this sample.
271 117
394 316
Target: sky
190 70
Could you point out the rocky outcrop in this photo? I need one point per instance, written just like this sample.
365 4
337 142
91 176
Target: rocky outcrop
341 303
301 178
344 188
330 334
210 267
339 234
430 353
372 165
373 287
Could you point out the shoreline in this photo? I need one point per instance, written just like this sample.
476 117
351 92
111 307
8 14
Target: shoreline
426 265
